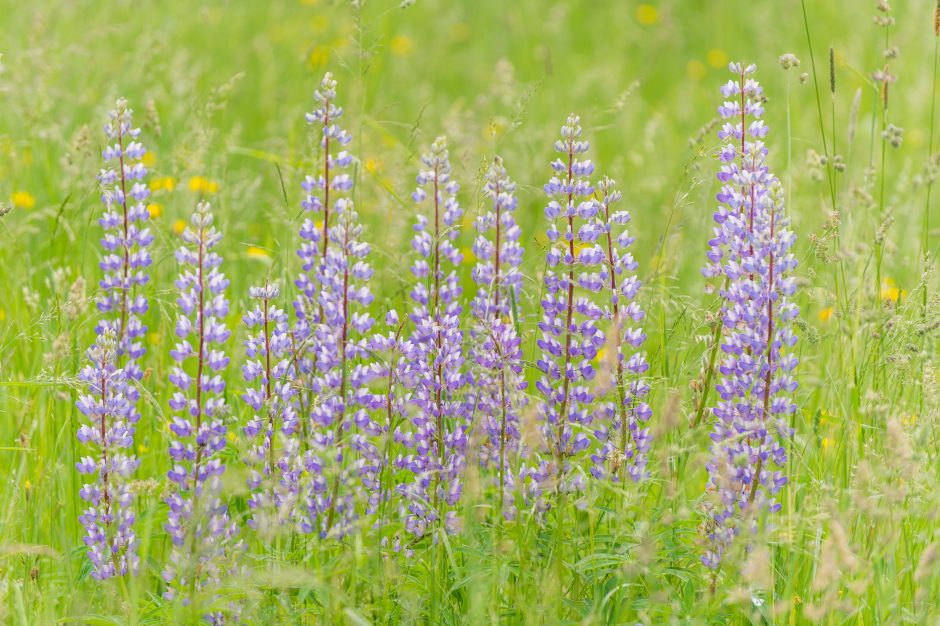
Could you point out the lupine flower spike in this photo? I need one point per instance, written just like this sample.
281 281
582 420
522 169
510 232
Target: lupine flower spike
274 455
322 192
570 337
434 353
752 251
109 519
624 440
347 459
111 402
199 525
496 346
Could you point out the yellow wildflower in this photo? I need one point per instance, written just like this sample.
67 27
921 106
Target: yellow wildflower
23 200
401 45
695 69
201 184
319 56
647 14
149 159
468 257
826 314
141 449
155 210
826 442
164 182
717 58
179 226
3 314
255 252
890 290
153 338
372 165
231 435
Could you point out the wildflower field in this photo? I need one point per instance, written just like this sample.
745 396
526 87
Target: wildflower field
428 311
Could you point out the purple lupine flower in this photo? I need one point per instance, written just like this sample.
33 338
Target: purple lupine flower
275 431
109 518
343 447
496 346
198 522
624 440
111 401
322 192
124 192
434 355
757 313
570 337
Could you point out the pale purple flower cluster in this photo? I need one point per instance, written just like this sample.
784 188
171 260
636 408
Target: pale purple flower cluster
433 354
111 401
570 337
274 431
198 523
124 193
346 459
624 440
497 377
751 249
109 518
324 195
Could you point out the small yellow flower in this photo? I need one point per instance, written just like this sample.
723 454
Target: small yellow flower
826 442
319 225
149 159
255 252
164 182
153 338
28 485
201 184
910 421
319 57
231 436
826 314
647 14
890 290
155 210
695 69
23 200
3 314
401 45
717 58
179 226
372 165
468 257
141 449
599 357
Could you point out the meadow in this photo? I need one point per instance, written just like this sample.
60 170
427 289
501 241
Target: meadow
220 90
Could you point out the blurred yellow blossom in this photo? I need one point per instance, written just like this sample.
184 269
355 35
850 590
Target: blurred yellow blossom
231 436
401 45
695 69
23 200
153 338
372 166
826 314
3 314
141 449
255 252
179 226
890 290
201 184
319 56
826 442
155 210
468 257
164 182
148 159
647 14
717 58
